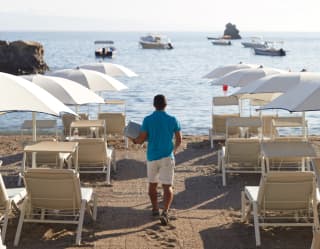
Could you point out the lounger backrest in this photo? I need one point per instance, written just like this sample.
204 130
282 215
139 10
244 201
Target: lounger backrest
252 123
243 150
115 121
3 194
67 119
316 168
219 124
286 191
44 158
92 151
267 128
53 188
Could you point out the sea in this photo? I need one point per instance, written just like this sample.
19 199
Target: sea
176 73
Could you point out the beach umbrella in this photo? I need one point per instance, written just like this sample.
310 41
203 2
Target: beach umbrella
301 98
242 77
277 83
110 69
93 80
67 91
222 70
18 94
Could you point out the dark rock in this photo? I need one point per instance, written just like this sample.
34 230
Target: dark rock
231 31
22 57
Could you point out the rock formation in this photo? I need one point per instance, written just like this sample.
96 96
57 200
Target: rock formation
231 31
22 57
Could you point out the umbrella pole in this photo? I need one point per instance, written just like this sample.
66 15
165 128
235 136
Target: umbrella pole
34 137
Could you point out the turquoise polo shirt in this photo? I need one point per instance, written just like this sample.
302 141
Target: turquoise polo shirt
160 128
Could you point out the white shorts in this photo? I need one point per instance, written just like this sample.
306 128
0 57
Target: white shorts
161 171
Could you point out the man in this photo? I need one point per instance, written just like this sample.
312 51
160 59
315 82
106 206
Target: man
158 129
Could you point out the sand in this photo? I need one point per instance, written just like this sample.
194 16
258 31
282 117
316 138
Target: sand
206 214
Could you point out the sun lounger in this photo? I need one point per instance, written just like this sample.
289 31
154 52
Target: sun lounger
55 196
289 154
96 157
248 126
241 155
281 199
115 124
316 230
67 119
291 122
9 199
218 127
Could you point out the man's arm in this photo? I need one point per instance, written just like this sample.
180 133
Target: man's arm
177 142
141 138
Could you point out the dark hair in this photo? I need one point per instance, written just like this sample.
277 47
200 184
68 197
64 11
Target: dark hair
159 102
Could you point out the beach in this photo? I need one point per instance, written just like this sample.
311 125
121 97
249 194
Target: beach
205 214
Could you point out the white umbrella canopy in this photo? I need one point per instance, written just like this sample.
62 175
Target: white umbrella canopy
278 83
18 94
110 69
304 97
93 80
242 77
67 91
222 70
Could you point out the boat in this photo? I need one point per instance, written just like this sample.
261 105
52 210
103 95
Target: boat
106 50
271 49
222 42
155 41
254 42
226 37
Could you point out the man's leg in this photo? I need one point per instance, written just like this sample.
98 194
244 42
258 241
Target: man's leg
153 194
167 196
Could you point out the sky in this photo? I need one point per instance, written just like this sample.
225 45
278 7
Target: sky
164 15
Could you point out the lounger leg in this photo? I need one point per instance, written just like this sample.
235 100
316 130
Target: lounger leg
224 178
5 221
80 224
113 161
210 138
243 206
108 172
95 202
256 223
19 228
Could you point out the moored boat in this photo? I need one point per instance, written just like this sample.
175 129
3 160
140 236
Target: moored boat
270 51
105 51
254 42
155 41
221 42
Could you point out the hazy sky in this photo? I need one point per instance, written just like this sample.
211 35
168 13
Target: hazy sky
148 15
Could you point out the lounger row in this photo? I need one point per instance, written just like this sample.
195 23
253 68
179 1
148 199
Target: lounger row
226 126
241 155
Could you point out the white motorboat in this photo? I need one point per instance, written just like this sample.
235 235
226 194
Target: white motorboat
222 42
254 42
155 41
271 49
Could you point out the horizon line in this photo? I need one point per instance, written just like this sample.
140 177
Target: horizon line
134 31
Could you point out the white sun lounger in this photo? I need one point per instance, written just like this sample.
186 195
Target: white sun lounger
281 199
55 196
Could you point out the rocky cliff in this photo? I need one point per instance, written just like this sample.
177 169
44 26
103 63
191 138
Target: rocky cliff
231 31
22 57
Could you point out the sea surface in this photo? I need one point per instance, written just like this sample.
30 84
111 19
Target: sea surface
176 73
